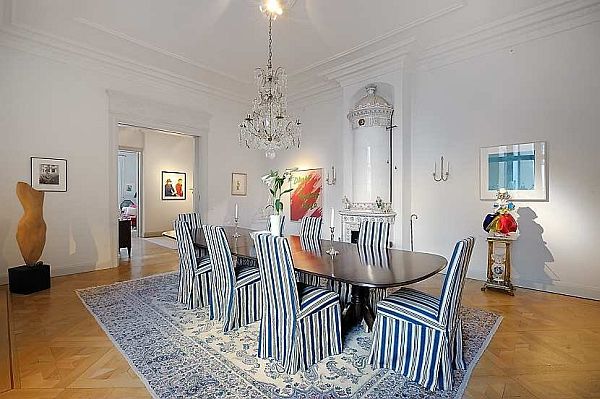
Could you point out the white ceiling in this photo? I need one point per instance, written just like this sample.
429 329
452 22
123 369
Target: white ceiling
224 36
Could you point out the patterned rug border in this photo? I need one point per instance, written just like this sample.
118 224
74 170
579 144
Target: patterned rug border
460 392
463 386
115 343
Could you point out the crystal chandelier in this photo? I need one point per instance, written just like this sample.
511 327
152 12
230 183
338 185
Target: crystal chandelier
268 127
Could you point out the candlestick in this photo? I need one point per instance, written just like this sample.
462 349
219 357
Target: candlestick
236 211
331 251
235 231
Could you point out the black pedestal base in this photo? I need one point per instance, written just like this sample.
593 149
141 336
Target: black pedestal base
358 310
29 279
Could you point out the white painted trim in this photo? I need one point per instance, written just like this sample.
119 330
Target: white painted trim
392 36
162 51
547 19
57 271
28 39
139 111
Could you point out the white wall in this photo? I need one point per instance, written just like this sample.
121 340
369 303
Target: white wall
60 109
548 90
321 147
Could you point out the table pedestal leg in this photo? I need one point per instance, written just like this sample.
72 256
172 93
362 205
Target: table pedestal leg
358 309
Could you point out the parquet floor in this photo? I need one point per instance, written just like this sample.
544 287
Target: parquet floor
548 346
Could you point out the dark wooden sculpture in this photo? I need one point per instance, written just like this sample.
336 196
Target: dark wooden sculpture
31 230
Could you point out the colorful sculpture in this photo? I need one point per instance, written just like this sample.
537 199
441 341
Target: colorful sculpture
31 230
501 222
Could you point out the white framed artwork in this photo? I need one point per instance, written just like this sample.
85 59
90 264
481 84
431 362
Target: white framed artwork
521 169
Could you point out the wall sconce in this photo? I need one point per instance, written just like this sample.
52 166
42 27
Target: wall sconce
330 179
443 176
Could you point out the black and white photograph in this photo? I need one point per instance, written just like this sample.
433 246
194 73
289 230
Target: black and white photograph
49 174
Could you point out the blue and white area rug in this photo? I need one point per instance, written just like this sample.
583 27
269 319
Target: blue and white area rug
180 353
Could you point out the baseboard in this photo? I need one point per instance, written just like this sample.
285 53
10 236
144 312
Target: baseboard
151 234
56 271
561 287
6 371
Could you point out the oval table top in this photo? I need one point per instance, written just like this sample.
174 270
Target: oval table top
366 267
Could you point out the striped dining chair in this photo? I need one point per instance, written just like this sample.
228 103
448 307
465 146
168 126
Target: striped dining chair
372 236
419 335
310 233
300 324
281 224
374 233
236 292
194 274
194 222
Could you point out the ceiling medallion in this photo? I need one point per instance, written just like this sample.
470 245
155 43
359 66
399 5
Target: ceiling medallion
268 127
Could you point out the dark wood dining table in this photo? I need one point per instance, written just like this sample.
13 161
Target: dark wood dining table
362 269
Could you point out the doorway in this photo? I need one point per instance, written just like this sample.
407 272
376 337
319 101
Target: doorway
129 179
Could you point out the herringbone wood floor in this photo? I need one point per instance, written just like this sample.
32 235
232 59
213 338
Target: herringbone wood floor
547 345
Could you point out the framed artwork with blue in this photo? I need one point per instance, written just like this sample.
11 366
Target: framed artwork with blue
521 169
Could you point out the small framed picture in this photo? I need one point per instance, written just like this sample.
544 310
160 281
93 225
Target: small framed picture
49 174
239 183
174 185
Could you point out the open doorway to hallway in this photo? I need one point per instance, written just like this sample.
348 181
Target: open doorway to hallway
166 177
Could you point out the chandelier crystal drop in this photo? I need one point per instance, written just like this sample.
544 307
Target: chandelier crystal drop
268 127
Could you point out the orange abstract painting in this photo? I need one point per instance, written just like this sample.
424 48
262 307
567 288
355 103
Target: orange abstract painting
307 194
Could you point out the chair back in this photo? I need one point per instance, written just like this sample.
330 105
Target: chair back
185 247
280 295
310 227
311 244
373 256
374 233
223 274
281 224
192 219
451 295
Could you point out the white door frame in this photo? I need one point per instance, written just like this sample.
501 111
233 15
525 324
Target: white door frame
128 109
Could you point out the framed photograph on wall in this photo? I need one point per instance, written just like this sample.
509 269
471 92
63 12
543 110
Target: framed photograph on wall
49 174
173 185
239 183
306 198
521 169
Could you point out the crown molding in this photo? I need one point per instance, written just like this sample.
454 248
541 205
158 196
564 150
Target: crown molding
534 23
156 49
371 65
378 42
21 37
133 109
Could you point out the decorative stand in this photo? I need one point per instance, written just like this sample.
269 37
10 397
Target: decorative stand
498 270
29 279
236 221
331 251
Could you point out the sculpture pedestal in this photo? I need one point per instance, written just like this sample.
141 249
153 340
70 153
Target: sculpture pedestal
29 279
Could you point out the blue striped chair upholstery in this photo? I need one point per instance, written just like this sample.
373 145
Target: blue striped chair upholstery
281 224
374 234
419 335
300 324
310 236
310 227
375 256
236 292
194 222
194 274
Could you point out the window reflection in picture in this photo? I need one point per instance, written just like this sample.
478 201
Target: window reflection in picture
519 168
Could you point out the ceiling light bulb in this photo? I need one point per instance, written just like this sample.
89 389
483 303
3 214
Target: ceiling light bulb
272 7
